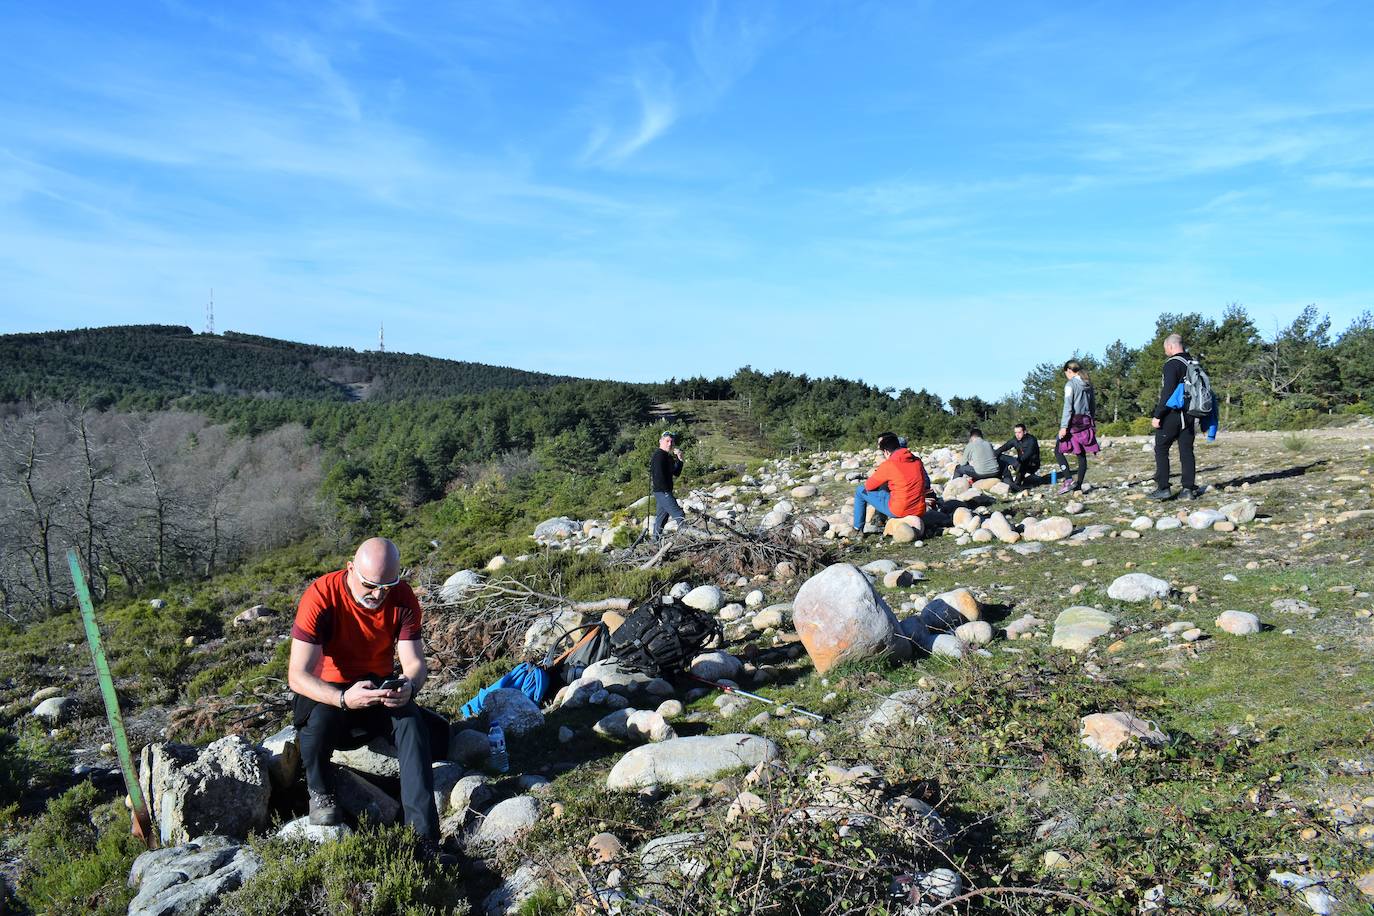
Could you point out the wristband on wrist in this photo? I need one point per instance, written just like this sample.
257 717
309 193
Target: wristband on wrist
343 703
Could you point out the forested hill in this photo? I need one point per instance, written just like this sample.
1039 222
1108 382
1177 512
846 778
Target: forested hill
148 365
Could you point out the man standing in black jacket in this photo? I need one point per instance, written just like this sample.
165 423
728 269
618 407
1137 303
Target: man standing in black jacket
1172 424
663 467
1025 460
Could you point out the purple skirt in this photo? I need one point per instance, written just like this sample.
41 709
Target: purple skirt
1082 438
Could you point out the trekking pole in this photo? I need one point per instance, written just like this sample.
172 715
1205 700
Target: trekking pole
754 696
142 824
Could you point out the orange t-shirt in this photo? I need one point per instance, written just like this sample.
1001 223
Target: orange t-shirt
906 479
357 642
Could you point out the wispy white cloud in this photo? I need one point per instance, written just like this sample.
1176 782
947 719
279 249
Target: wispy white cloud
306 59
654 108
634 111
726 43
1346 181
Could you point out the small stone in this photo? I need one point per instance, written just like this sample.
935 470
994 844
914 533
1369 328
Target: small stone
604 847
1075 628
898 578
1106 733
745 804
962 600
1238 623
1135 587
975 632
706 598
715 666
56 709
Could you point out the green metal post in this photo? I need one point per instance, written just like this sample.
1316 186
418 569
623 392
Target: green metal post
142 822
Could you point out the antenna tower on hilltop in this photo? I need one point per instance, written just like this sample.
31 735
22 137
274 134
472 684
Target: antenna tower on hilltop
210 314
381 337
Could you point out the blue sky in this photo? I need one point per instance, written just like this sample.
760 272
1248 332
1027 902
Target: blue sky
930 195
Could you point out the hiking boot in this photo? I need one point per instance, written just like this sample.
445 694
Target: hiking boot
1065 487
324 810
1162 494
1194 493
436 853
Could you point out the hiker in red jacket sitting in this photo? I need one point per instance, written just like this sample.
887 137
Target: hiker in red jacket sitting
897 488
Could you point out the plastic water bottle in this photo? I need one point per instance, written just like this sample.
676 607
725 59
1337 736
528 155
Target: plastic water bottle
1054 476
496 740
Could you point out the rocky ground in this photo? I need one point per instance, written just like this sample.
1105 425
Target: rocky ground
1034 704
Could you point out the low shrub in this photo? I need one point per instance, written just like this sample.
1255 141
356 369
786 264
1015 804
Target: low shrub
1295 443
372 872
79 853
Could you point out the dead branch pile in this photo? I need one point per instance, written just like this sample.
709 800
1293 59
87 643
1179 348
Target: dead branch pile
254 706
489 622
720 552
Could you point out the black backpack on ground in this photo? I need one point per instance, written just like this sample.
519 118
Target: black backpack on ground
660 638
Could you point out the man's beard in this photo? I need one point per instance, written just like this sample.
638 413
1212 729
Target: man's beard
369 601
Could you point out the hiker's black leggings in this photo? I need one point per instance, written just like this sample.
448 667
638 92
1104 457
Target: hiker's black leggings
1082 466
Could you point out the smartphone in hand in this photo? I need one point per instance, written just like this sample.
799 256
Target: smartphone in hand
395 683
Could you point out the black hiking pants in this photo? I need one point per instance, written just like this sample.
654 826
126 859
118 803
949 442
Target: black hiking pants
1176 427
323 729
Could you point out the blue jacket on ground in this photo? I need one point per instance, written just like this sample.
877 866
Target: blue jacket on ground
531 680
1177 402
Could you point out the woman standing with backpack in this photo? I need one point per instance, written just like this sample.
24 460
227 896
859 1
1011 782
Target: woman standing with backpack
1077 428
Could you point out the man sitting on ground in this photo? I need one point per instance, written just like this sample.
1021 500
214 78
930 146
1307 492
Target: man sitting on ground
979 461
1024 457
897 488
350 627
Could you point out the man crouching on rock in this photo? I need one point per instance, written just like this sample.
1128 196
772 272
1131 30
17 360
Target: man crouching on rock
349 627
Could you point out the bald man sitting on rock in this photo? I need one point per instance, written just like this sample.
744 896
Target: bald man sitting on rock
351 627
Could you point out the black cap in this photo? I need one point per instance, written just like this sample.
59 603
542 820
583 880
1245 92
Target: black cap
669 434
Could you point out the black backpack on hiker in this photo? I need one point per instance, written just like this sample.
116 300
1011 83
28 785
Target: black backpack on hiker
661 637
1199 399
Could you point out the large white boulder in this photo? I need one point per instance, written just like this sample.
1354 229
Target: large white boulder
222 788
840 617
557 529
516 713
190 878
679 761
459 585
